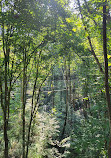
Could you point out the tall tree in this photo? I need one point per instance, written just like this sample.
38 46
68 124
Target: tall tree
106 71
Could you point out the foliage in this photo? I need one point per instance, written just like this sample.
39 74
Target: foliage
44 130
52 78
89 141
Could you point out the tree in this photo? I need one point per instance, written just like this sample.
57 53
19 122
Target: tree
106 72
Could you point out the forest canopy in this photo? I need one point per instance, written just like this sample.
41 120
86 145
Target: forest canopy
55 79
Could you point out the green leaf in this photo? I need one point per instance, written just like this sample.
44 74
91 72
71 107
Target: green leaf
108 56
86 98
74 29
109 64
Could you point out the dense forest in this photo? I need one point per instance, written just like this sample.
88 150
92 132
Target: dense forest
55 79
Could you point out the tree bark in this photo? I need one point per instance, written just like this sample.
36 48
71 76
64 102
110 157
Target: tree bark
5 104
32 107
24 100
52 86
106 72
66 108
5 113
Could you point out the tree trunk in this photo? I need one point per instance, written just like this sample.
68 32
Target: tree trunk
32 107
70 90
106 73
5 105
24 101
61 92
66 108
52 86
5 112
